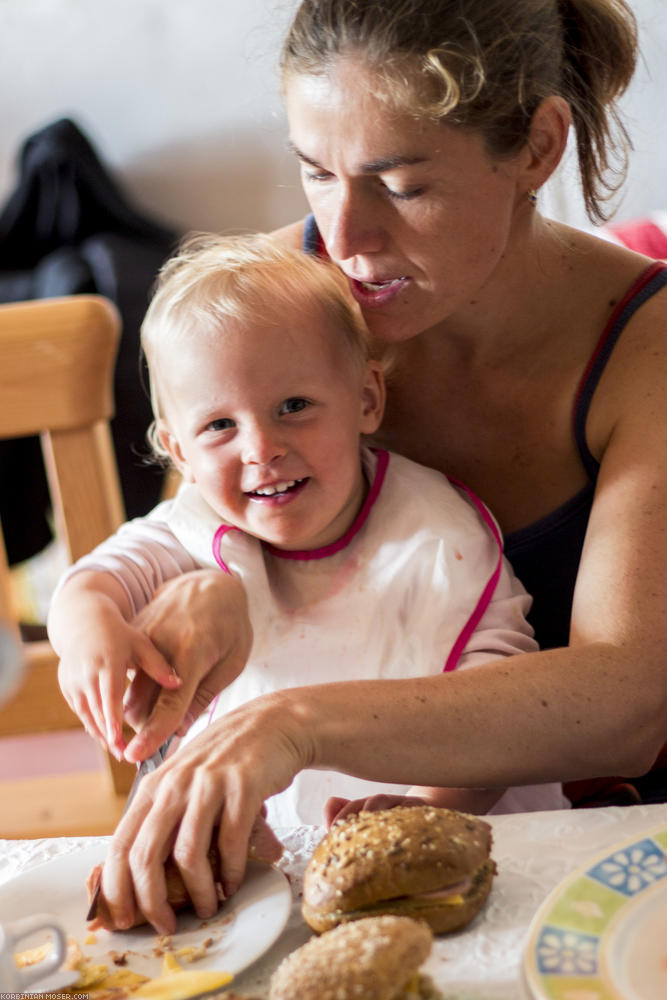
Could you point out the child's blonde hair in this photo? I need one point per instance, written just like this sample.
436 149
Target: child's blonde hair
212 279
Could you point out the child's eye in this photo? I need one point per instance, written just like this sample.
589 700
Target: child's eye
221 424
293 405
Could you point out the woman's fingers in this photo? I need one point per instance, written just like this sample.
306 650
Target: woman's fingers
133 877
140 696
170 713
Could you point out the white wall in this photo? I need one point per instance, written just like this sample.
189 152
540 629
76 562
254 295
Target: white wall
643 109
180 97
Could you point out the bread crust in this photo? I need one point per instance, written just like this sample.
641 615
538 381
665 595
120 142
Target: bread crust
371 958
377 862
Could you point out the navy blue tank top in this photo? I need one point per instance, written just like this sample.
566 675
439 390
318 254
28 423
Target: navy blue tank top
546 555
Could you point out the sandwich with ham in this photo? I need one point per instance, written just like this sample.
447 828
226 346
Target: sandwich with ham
415 861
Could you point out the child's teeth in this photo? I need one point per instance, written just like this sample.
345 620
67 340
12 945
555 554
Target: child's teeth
268 491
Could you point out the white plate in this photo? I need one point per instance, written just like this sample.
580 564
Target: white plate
244 928
602 933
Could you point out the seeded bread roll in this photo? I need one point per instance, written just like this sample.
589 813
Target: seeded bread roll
416 861
375 959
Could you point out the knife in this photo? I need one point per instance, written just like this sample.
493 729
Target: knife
145 767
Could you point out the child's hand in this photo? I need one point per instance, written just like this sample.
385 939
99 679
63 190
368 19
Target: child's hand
337 808
99 653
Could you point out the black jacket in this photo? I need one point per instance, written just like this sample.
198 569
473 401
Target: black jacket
67 228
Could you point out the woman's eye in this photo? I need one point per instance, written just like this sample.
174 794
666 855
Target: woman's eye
293 405
403 195
319 175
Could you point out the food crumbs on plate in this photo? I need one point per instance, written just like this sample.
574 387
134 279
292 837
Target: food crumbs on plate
95 979
192 953
90 939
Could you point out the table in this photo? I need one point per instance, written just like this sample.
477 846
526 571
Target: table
533 851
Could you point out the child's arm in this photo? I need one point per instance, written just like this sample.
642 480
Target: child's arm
89 628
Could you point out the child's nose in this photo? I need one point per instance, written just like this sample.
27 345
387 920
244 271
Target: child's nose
261 446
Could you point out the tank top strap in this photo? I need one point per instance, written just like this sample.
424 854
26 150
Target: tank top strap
312 242
649 282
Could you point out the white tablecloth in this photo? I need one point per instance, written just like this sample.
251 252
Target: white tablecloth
533 851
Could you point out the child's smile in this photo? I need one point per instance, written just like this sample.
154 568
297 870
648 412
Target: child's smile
280 492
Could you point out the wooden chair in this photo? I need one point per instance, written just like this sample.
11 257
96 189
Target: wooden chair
57 359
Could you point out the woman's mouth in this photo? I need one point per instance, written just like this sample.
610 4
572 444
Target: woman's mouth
377 292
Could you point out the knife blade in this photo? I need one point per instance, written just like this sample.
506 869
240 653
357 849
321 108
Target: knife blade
145 767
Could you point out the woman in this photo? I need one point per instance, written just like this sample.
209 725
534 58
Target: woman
425 129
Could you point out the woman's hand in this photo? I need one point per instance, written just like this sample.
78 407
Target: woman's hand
219 779
199 622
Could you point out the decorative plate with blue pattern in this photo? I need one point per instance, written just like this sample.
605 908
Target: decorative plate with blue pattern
602 933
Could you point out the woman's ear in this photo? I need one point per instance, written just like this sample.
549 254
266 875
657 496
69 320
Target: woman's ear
170 443
373 396
547 141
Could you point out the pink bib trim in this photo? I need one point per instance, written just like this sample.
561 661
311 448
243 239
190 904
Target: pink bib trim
217 542
489 589
355 527
325 550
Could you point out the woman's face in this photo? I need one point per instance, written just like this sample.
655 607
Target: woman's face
416 213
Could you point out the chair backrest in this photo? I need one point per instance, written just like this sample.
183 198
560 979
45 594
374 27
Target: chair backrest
57 360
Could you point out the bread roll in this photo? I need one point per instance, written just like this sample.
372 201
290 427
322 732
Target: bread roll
376 958
417 861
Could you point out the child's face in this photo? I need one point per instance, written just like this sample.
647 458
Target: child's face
267 421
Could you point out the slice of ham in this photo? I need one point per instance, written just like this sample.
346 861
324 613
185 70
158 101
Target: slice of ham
455 889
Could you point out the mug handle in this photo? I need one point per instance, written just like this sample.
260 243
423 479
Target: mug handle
29 925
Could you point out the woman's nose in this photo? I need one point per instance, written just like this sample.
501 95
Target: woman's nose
351 229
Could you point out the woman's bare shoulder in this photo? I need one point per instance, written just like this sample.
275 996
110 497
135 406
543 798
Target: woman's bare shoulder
290 235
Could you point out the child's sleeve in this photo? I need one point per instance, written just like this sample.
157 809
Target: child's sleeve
503 629
142 555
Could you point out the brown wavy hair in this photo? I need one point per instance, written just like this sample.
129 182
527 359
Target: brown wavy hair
487 65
